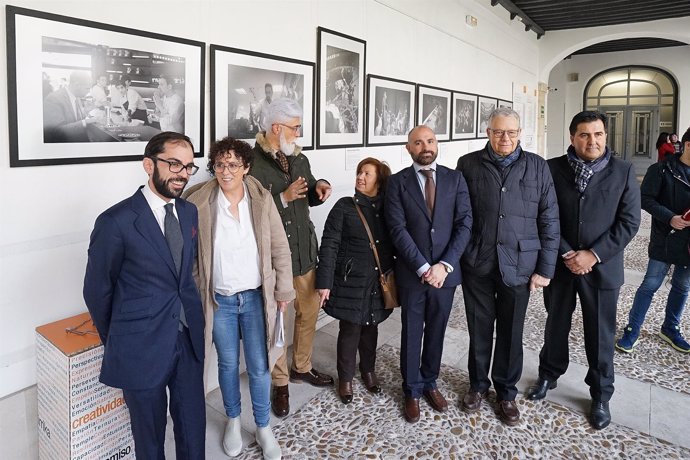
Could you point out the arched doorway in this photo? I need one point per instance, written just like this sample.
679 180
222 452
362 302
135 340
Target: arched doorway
640 102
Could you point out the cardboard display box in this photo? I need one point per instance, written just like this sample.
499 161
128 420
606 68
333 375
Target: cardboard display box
78 417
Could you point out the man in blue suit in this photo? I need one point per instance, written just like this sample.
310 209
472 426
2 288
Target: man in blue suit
142 298
429 218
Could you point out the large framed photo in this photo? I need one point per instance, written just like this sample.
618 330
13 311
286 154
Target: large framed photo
464 116
245 83
340 91
433 110
86 92
390 110
486 106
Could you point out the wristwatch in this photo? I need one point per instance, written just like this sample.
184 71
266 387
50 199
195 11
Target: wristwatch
448 268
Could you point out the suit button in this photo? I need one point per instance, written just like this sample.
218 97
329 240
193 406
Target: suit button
501 216
503 189
376 268
499 243
288 236
175 315
432 230
582 197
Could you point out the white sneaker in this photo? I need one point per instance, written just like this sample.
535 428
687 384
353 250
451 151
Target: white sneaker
268 443
232 439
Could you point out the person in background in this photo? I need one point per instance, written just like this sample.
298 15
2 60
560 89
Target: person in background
141 294
99 92
286 173
347 278
599 204
169 106
513 251
132 103
244 275
666 196
429 219
64 115
677 144
263 106
664 146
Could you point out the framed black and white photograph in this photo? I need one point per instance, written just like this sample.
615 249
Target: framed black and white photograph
503 103
486 106
245 83
463 125
390 110
87 92
341 67
433 110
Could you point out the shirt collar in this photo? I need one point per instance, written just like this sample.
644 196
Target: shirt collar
224 203
417 167
154 200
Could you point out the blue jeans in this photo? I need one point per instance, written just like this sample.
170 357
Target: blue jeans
680 285
242 315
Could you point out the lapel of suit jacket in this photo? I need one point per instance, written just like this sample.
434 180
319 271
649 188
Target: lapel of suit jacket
188 231
601 177
147 225
411 184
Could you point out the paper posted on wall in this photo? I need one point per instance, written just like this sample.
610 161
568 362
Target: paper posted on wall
279 332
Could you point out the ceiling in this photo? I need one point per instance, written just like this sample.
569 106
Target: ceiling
542 16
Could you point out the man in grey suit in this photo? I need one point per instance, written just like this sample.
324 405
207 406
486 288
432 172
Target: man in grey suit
599 202
64 116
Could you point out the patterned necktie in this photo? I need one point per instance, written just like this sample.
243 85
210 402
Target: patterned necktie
283 162
429 189
173 235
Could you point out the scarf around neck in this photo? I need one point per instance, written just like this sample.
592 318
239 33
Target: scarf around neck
584 170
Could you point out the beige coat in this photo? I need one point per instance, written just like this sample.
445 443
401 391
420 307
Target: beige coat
274 256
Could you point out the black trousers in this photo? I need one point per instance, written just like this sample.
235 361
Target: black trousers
425 312
148 409
599 321
352 338
489 300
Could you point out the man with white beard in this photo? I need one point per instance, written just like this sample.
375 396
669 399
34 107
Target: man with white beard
282 169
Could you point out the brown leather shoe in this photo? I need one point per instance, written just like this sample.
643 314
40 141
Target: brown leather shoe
312 377
411 409
436 400
345 391
508 412
281 401
472 401
371 382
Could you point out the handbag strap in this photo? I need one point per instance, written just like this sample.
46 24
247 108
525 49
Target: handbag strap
371 238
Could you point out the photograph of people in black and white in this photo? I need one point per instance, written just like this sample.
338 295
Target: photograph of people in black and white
435 113
251 91
464 116
485 109
98 93
392 111
342 89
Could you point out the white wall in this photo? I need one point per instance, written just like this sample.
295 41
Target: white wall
48 212
564 103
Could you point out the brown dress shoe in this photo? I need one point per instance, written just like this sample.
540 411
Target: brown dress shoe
312 377
436 400
472 401
345 391
371 382
508 412
411 409
281 401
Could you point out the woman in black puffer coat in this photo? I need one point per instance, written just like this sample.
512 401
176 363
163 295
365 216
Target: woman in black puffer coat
347 278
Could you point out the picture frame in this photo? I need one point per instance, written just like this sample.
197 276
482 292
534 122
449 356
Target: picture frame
464 123
341 67
504 103
243 81
434 109
87 92
390 110
485 106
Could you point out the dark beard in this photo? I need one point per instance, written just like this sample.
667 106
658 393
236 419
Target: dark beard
162 186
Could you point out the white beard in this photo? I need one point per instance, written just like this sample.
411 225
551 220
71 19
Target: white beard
287 148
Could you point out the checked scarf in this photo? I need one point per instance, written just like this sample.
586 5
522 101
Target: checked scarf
584 170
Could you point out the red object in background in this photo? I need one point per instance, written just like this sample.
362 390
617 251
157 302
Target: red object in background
686 215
